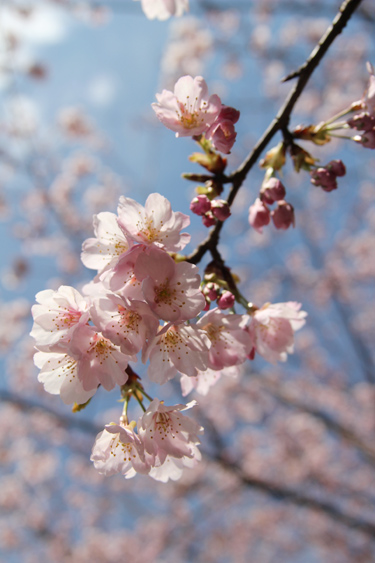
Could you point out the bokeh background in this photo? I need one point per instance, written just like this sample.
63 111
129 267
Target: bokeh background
288 470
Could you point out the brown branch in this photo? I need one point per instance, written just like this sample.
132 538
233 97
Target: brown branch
281 121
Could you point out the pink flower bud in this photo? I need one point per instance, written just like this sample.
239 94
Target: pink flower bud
208 219
362 121
283 216
337 167
220 209
259 215
222 135
367 139
323 178
229 113
272 190
200 205
211 291
226 300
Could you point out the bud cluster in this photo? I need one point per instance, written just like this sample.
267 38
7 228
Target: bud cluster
210 211
326 176
191 112
260 215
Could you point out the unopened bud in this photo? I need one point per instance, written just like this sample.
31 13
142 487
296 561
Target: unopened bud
259 215
324 178
283 215
200 205
229 113
272 190
226 300
208 219
220 209
367 139
211 291
362 122
337 167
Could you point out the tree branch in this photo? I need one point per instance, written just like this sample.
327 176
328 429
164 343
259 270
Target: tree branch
281 120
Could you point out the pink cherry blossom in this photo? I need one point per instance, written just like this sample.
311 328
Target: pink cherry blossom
154 224
121 278
188 111
118 449
164 432
55 317
272 329
171 290
230 343
172 468
164 9
59 375
99 361
127 324
110 243
182 348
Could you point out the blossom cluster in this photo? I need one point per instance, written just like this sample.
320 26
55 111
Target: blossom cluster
144 302
189 111
260 215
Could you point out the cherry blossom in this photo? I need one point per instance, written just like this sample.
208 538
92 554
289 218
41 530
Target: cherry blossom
110 243
230 343
164 432
127 324
272 329
188 111
173 467
55 317
99 361
180 348
118 449
121 278
154 224
171 290
164 9
59 375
